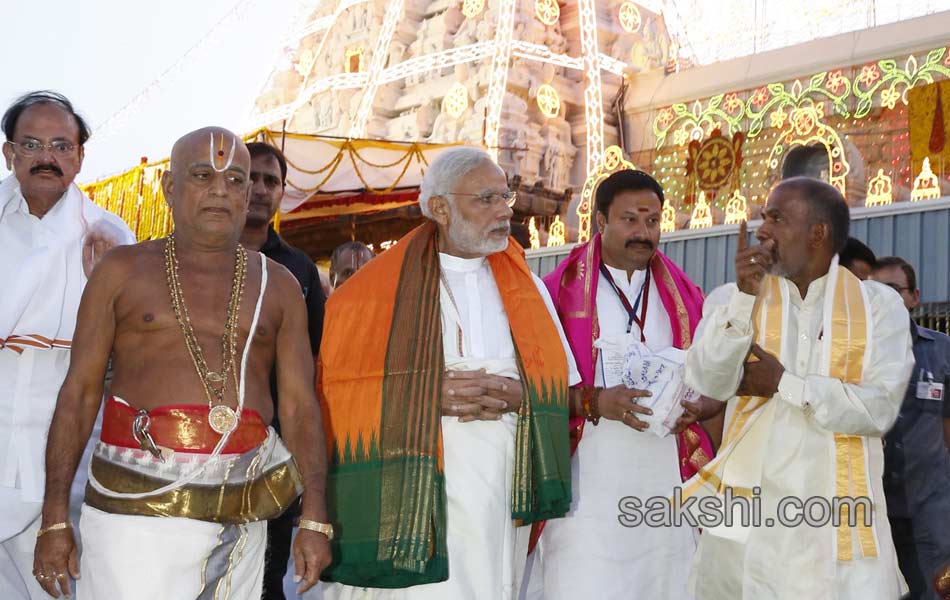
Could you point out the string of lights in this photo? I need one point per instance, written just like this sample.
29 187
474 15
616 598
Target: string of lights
501 60
593 99
380 53
119 119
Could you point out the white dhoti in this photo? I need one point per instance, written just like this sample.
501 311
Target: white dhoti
31 380
128 553
129 557
589 553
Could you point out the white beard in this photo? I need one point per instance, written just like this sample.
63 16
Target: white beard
469 239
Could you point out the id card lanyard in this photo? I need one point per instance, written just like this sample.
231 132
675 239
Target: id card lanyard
643 299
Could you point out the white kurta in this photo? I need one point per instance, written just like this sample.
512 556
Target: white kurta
487 552
41 260
589 554
801 562
41 268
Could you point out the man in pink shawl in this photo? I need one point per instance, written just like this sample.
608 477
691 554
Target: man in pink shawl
615 284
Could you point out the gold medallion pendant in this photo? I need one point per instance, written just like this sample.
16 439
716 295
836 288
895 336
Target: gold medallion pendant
222 419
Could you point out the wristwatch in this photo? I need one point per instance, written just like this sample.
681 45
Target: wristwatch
324 528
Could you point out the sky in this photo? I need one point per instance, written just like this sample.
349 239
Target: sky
103 54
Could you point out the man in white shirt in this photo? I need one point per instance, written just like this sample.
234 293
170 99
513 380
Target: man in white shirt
813 363
50 238
445 376
618 288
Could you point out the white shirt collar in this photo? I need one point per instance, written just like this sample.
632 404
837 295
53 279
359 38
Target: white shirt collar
457 263
18 204
814 294
620 275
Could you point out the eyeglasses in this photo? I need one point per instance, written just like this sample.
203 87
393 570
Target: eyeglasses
897 288
508 197
33 148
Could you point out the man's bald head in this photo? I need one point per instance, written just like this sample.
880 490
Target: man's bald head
207 186
347 259
216 146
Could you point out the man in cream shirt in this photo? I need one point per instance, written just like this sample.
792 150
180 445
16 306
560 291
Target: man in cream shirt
813 364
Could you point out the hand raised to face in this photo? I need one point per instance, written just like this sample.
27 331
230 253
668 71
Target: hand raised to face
752 263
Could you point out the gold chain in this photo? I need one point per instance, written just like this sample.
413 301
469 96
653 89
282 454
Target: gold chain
215 384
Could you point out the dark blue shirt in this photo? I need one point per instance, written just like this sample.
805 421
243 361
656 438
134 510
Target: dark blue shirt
916 462
303 269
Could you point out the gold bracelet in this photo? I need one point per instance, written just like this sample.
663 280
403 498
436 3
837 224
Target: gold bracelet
324 528
54 527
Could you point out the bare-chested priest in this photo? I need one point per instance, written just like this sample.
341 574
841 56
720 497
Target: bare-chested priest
187 471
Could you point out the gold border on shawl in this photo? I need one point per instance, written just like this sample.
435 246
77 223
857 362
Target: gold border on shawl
865 534
709 477
584 272
731 427
410 424
681 314
696 454
773 317
840 331
848 344
703 476
770 300
772 340
857 349
843 488
522 476
859 327
594 336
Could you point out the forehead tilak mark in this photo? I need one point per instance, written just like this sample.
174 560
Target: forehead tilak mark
214 157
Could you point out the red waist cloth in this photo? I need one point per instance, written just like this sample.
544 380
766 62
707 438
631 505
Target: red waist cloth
181 427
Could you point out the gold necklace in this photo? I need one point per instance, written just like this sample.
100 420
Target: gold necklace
221 417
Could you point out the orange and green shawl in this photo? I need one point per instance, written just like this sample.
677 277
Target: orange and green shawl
380 386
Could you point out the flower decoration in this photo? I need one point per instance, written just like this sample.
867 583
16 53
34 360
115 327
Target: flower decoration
889 97
777 119
680 136
760 97
665 117
835 81
732 103
869 74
